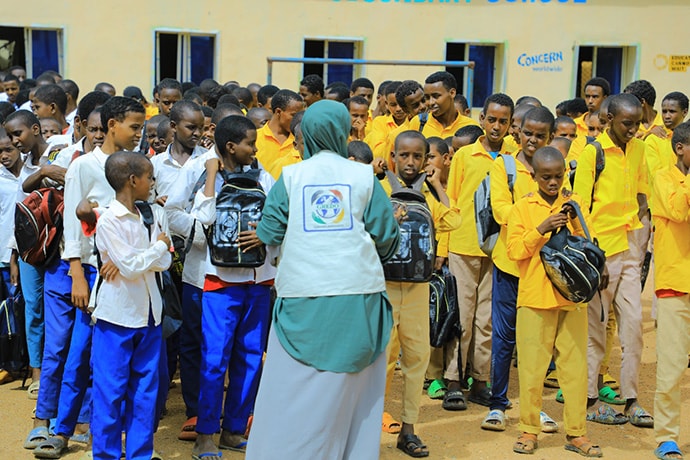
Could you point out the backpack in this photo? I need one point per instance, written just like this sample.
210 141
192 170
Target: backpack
414 261
38 226
444 316
599 165
573 264
13 353
487 227
239 202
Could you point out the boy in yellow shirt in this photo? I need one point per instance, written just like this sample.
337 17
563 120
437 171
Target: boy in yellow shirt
671 208
546 322
660 153
444 118
652 122
274 140
596 91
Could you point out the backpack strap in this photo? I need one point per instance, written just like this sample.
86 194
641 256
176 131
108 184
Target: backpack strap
581 218
395 183
600 162
423 118
511 170
147 219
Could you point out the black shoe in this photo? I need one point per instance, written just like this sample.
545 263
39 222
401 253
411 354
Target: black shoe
481 396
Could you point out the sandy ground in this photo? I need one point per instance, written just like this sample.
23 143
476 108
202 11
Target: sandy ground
449 435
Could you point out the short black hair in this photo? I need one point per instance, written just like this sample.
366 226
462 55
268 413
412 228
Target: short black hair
225 110
411 134
187 85
207 85
407 88
243 95
52 94
473 132
447 78
391 87
117 108
547 153
208 111
265 93
28 83
642 90
233 128
6 108
576 105
102 86
45 78
462 100
681 135
25 117
89 102
10 77
313 83
170 83
500 99
601 83
361 83
120 166
619 101
679 97
180 107
282 99
527 100
71 88
359 100
440 144
193 96
215 94
339 89
564 120
540 115
360 151
163 128
228 99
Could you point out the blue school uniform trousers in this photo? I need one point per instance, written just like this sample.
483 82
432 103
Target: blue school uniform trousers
190 347
32 290
504 291
235 323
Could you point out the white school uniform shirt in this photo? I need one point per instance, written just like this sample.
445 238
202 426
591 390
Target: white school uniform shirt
69 118
64 157
166 170
85 178
10 193
204 210
122 237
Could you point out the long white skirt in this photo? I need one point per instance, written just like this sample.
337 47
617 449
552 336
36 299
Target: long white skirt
302 413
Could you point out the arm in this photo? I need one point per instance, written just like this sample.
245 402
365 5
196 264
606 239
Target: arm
380 223
47 171
72 234
273 225
524 240
671 200
176 205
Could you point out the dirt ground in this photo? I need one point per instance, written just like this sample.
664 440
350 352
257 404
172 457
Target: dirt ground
449 435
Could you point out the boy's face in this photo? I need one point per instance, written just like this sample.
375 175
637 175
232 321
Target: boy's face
624 125
440 100
683 152
495 122
126 133
308 96
394 108
19 73
514 129
189 129
94 130
549 176
285 116
533 136
359 112
672 113
166 98
566 130
594 127
260 120
23 137
11 89
50 128
594 96
409 157
416 103
152 134
41 109
143 184
366 93
207 131
298 143
245 151
436 159
9 154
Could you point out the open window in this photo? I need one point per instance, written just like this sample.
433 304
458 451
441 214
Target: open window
617 64
488 58
332 48
185 56
37 50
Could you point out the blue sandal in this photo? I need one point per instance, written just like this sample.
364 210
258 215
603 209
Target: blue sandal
53 447
36 436
666 449
606 415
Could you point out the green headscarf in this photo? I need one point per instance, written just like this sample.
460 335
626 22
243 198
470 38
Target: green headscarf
325 126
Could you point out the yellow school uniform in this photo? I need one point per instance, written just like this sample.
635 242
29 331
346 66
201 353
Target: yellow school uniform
643 132
269 149
287 160
510 143
614 208
582 129
381 127
470 165
384 148
671 212
576 148
660 154
434 128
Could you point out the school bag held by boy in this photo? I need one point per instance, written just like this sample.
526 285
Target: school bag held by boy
487 227
38 225
444 316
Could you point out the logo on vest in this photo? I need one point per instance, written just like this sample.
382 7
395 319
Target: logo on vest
326 208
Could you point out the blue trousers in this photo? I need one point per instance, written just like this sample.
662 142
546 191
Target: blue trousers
235 322
7 287
190 347
504 291
32 289
125 378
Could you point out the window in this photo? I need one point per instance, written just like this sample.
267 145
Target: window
37 50
185 56
486 57
332 49
617 64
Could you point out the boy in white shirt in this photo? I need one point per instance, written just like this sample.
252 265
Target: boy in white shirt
128 309
11 161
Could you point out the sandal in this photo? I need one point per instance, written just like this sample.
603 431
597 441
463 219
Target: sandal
526 444
437 389
640 417
454 400
548 425
668 450
611 382
188 430
36 436
609 396
389 424
238 444
495 420
583 446
412 446
551 380
32 391
207 455
559 397
606 415
52 447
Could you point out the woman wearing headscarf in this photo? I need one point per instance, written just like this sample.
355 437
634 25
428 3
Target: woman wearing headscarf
322 387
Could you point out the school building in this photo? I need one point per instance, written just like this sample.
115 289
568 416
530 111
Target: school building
545 48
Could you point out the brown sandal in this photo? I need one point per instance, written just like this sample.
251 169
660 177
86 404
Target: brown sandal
583 446
526 444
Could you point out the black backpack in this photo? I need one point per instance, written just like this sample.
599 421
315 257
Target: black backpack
488 229
414 261
239 202
444 316
573 264
13 353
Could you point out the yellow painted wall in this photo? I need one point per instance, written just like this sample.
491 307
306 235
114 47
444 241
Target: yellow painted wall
114 41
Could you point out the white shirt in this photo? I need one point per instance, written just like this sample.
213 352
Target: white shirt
69 118
204 210
85 178
166 170
10 193
122 237
64 157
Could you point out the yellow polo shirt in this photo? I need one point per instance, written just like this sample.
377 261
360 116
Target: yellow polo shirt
287 160
576 148
660 154
384 148
615 207
524 243
434 128
269 149
469 167
643 132
582 129
380 129
671 212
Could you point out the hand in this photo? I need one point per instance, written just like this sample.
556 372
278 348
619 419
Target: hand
109 271
164 238
438 264
379 165
14 272
657 131
55 173
213 165
565 193
433 175
248 239
206 142
160 201
358 127
85 211
569 210
604 278
80 291
553 222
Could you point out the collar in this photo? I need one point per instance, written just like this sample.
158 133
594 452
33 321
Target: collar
478 148
4 172
120 210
